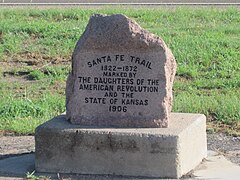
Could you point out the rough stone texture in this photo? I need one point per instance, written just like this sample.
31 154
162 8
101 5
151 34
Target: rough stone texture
149 152
119 50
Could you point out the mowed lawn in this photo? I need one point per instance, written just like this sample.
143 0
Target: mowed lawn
35 59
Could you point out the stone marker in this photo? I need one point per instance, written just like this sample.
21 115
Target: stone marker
122 76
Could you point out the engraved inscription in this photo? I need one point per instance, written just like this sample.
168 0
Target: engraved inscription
118 83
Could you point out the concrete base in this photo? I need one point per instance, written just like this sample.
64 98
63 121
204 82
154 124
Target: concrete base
149 152
216 166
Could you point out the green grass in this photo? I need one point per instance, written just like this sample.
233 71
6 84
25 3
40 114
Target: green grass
36 47
22 115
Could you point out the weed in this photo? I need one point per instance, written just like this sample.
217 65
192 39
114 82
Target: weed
36 75
32 176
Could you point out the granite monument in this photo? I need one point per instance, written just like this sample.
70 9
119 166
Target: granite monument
118 109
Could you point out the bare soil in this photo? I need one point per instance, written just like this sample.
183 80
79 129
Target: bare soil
228 146
16 145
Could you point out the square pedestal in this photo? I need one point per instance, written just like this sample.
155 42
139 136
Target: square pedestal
62 147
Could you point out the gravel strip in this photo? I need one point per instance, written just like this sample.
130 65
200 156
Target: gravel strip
226 145
16 145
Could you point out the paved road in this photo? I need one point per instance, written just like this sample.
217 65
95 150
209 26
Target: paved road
123 1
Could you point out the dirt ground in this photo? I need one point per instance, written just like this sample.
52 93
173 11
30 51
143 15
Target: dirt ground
226 145
16 145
